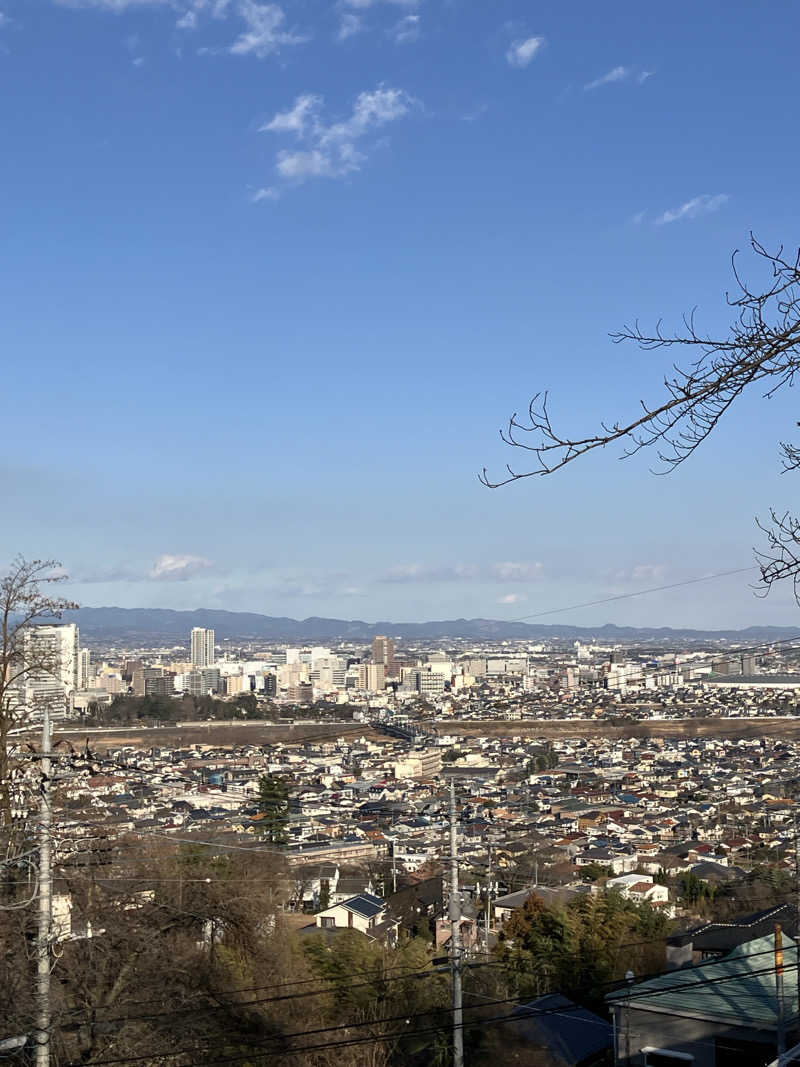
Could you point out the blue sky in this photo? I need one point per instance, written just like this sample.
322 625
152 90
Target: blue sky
276 274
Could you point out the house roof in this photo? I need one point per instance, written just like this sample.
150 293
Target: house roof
719 990
572 1034
364 904
723 937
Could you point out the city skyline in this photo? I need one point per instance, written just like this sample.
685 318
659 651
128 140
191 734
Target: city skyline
332 254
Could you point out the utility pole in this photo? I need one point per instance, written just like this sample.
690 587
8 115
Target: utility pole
489 901
454 912
629 978
781 1022
796 912
45 904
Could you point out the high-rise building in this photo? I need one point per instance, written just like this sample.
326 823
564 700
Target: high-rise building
84 668
50 673
372 677
201 681
300 693
202 647
383 653
383 650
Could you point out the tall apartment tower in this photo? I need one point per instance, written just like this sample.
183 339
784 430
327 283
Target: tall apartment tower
84 668
383 651
202 647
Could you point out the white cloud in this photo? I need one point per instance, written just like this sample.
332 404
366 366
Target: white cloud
699 205
643 75
115 6
349 25
638 218
264 34
333 150
516 572
178 568
267 193
506 571
406 30
511 598
187 21
521 52
362 5
618 74
297 118
421 572
314 163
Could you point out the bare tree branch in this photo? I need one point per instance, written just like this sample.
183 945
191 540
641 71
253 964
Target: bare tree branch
762 349
762 346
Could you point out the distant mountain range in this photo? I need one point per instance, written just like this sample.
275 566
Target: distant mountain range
167 625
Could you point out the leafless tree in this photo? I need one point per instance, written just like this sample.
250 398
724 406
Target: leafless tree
24 600
761 349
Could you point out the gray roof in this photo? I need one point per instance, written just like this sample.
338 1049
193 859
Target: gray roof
573 1034
739 989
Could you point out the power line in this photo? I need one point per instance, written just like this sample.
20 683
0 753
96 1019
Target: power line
643 993
635 593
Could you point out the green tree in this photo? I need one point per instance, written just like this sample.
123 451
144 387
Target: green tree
246 704
324 895
584 945
273 805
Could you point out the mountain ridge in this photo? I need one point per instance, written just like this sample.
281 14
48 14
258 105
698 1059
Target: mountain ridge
169 623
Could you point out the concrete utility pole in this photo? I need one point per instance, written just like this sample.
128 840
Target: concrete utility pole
629 978
454 912
45 905
781 1023
489 902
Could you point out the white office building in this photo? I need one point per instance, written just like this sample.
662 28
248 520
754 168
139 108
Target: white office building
50 674
202 647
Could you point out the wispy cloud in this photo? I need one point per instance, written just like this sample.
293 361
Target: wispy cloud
333 149
114 6
264 33
406 30
268 192
638 218
178 568
521 51
362 5
692 209
512 598
516 572
420 572
618 74
187 21
349 25
167 567
133 44
475 114
506 571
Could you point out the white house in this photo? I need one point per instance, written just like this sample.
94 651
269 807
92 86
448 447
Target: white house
361 912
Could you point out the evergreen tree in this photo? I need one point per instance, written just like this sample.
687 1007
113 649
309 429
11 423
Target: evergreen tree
273 805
